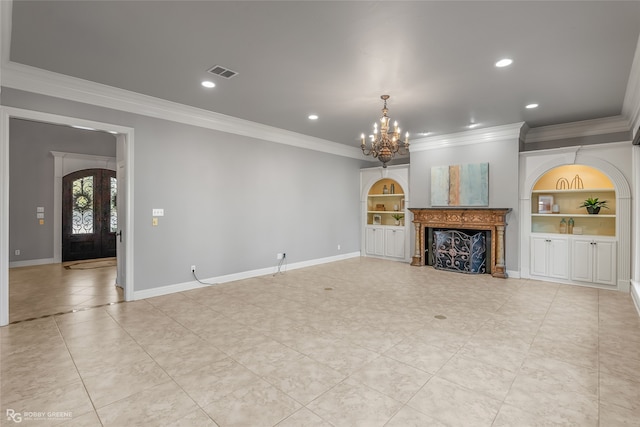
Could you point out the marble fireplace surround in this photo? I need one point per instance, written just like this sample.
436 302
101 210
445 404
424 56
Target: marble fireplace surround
492 220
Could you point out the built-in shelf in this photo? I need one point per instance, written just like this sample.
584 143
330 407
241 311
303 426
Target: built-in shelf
574 215
581 190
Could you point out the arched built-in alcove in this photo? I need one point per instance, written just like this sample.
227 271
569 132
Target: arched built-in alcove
622 208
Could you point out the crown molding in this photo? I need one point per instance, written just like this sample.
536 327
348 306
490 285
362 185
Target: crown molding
579 129
631 104
470 137
36 80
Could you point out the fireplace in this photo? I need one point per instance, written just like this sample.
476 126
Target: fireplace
490 220
463 251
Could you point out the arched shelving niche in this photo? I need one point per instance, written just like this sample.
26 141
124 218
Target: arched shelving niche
384 198
611 229
563 189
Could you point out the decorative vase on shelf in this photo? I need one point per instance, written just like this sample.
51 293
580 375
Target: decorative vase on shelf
385 190
592 210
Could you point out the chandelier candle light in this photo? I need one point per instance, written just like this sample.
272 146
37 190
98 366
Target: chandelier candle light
387 143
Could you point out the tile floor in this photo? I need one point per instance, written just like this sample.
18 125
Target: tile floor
53 288
359 342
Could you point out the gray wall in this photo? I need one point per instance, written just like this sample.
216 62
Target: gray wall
231 202
502 157
31 176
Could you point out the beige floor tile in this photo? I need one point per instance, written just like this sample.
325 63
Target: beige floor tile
342 356
122 380
197 418
213 381
303 418
61 404
614 416
278 342
159 405
395 379
351 403
510 416
620 391
184 356
39 373
90 419
420 355
454 405
582 354
498 353
409 417
255 404
478 376
620 366
269 352
544 400
49 289
303 378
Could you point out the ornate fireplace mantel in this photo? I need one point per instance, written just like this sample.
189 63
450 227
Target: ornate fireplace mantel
488 219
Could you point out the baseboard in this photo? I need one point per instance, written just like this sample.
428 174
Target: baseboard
513 274
187 286
635 294
30 262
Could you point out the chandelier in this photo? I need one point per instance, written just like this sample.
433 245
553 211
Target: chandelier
387 143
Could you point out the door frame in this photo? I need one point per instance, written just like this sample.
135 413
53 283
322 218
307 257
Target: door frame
102 236
80 161
125 155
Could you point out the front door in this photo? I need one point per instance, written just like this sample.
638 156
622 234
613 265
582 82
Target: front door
89 214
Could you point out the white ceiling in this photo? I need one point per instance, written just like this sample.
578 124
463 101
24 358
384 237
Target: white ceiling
335 58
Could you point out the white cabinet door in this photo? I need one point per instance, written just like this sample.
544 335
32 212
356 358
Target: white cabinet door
374 241
604 262
394 243
549 257
539 256
594 261
582 260
559 258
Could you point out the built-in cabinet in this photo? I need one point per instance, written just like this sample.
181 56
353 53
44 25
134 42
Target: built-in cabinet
583 252
550 256
593 260
384 196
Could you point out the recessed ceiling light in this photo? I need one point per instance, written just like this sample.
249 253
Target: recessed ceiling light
208 84
473 125
313 117
530 106
424 133
505 62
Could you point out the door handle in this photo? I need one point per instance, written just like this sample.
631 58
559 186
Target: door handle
119 234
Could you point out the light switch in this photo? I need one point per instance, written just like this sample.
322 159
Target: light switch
158 212
154 222
40 215
40 209
41 221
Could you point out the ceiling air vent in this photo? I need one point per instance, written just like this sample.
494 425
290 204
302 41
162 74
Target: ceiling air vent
222 72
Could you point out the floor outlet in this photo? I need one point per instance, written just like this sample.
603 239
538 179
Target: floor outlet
193 268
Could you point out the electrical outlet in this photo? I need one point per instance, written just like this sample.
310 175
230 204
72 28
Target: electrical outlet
338 247
193 268
280 256
17 252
